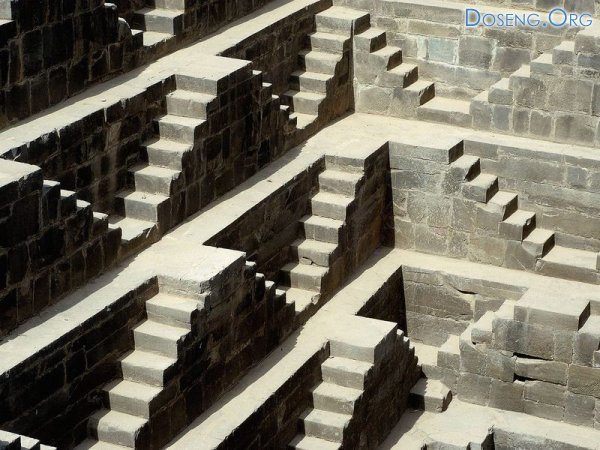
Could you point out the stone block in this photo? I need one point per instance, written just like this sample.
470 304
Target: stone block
584 380
587 341
540 369
507 395
474 388
579 409
523 339
552 310
542 392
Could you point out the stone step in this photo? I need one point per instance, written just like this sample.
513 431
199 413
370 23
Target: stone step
99 223
329 42
300 298
500 93
503 204
481 331
341 20
370 40
324 424
571 264
28 443
403 75
159 20
309 251
564 53
322 229
539 242
159 338
301 80
332 206
157 180
118 428
301 442
482 188
466 167
134 233
339 182
154 208
446 110
304 102
420 92
136 399
543 64
179 128
167 153
523 72
9 441
148 368
346 372
518 225
302 120
152 38
335 398
303 276
173 310
68 203
319 62
191 104
386 58
430 395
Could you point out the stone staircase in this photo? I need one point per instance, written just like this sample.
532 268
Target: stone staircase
154 202
500 212
378 65
12 441
160 21
144 394
316 256
322 65
340 409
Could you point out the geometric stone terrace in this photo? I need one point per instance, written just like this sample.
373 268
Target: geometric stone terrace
299 224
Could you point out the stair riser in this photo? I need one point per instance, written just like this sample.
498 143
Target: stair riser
311 256
117 437
371 45
143 211
343 378
328 210
177 132
331 404
311 64
187 107
323 234
165 158
153 377
480 194
328 45
169 316
159 24
323 431
516 232
156 344
305 105
337 186
134 407
302 281
156 185
399 79
300 83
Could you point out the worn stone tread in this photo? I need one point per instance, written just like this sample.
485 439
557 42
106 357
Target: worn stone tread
303 120
172 306
115 427
131 397
131 229
91 444
345 372
146 367
572 257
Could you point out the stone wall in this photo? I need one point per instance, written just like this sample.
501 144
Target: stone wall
554 98
433 214
57 387
51 243
49 52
